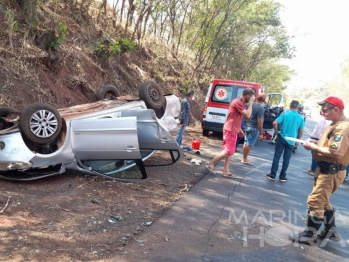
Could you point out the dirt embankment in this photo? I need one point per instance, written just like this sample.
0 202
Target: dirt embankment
72 72
84 218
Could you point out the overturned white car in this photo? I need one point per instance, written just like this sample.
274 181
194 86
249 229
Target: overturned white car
102 138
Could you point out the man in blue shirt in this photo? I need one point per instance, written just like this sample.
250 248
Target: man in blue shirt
292 126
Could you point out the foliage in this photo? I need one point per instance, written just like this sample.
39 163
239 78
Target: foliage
127 45
240 39
12 23
185 85
271 76
110 48
159 75
60 33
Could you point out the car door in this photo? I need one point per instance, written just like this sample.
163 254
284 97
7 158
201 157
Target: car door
152 136
105 138
272 109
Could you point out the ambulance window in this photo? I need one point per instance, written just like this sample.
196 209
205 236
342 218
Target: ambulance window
240 90
225 94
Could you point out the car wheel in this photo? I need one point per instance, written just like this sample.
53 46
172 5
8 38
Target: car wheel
205 132
40 123
108 92
152 95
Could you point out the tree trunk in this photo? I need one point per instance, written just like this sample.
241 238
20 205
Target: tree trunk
29 10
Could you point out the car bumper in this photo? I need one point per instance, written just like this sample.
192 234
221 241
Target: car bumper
210 126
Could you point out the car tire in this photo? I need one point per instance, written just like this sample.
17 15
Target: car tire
5 110
152 95
108 92
205 132
40 123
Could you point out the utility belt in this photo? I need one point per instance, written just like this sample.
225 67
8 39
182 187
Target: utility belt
331 168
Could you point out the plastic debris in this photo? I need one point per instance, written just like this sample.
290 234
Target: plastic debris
187 148
117 217
184 189
242 238
195 161
166 239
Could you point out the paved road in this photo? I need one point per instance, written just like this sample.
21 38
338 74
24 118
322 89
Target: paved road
244 219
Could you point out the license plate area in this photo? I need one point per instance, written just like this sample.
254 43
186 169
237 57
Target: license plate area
218 117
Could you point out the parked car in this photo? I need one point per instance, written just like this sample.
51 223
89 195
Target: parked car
102 138
307 112
272 109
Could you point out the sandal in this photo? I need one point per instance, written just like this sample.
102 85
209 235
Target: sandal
229 176
247 163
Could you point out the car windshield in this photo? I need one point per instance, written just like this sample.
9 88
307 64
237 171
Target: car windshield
273 100
225 94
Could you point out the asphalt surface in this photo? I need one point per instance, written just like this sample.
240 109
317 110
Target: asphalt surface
244 219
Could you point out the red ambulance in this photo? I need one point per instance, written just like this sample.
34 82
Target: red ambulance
219 95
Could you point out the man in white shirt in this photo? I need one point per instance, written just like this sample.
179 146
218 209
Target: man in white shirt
317 133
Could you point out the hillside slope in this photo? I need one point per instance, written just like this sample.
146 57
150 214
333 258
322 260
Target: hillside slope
71 72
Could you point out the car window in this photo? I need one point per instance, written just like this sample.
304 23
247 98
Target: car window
273 100
225 94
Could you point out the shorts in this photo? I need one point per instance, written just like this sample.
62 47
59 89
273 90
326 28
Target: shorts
229 142
251 136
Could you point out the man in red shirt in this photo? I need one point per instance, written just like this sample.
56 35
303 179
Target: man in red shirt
231 129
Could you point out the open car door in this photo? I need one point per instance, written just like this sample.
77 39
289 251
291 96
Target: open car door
272 109
153 136
110 147
107 147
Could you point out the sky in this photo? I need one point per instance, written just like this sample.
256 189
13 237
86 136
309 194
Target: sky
321 39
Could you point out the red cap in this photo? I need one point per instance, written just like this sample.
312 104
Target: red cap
333 100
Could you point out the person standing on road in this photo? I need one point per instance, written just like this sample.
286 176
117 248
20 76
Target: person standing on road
292 126
231 129
332 155
254 127
317 133
184 116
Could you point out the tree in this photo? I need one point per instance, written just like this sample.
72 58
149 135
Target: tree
29 10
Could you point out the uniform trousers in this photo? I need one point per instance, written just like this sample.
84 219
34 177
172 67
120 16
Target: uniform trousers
323 187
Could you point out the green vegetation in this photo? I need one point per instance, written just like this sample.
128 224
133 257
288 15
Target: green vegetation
60 34
12 23
111 48
185 86
240 39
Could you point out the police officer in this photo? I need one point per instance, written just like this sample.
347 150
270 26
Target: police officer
332 154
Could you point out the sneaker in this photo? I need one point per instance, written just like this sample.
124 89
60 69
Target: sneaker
346 178
283 179
270 177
